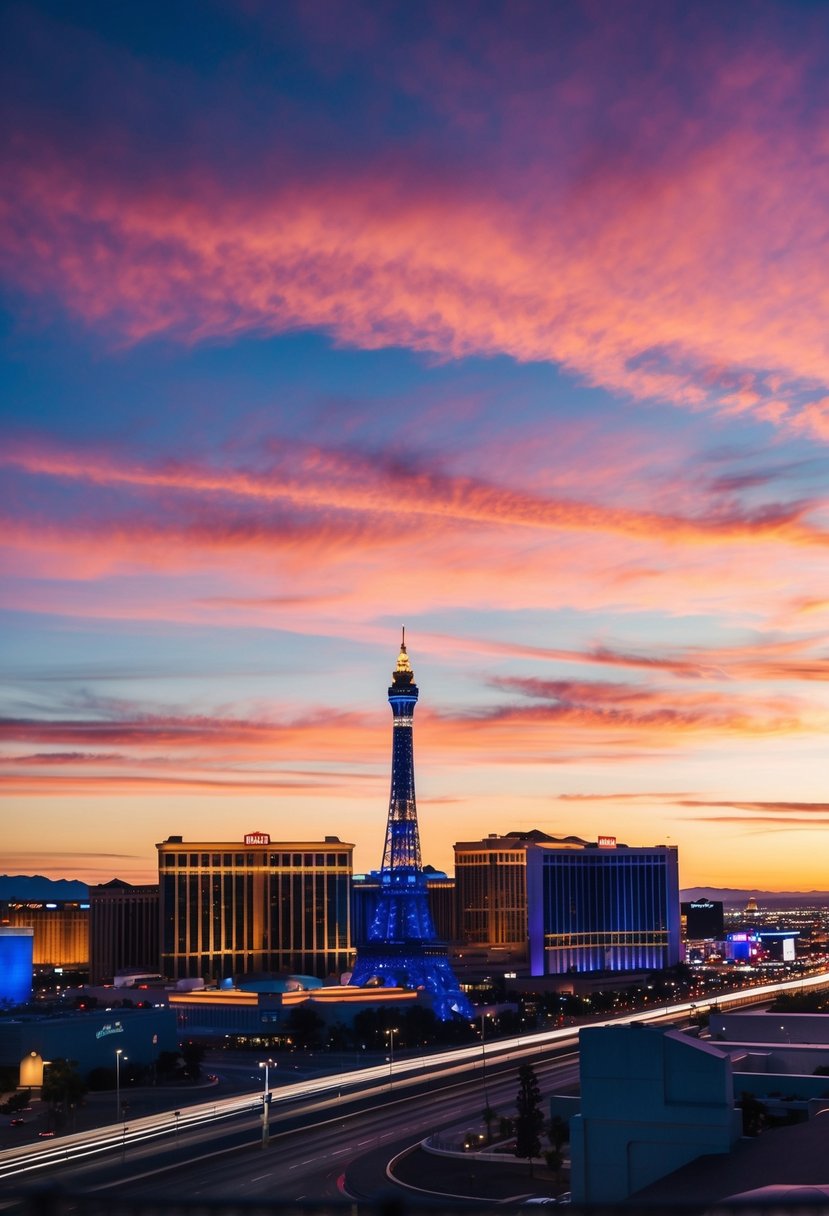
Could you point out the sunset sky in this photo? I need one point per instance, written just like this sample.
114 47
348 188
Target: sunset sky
506 322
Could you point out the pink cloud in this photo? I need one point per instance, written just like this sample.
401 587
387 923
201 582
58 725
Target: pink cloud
655 243
554 722
786 659
348 482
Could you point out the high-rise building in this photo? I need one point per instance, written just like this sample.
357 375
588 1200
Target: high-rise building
402 949
491 893
553 905
61 929
16 944
123 929
702 919
257 906
602 907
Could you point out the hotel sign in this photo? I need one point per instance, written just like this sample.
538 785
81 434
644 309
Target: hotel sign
109 1028
257 838
607 842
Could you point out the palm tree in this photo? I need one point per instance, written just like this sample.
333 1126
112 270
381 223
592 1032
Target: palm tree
530 1120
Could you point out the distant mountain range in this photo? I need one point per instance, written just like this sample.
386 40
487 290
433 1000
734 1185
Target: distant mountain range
765 899
38 888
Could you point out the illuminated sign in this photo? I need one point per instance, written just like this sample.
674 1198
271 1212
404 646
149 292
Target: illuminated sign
702 903
607 842
108 1029
257 838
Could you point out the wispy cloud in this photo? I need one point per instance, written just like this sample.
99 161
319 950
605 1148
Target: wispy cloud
649 262
777 659
348 481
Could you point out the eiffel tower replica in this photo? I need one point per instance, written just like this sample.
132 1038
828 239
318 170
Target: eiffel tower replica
403 950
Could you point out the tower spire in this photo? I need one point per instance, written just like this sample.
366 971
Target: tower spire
402 948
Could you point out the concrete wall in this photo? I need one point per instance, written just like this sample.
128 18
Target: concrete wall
770 1088
652 1100
771 1058
762 1027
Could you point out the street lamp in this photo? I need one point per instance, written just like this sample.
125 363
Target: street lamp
390 1036
119 1052
484 1017
266 1102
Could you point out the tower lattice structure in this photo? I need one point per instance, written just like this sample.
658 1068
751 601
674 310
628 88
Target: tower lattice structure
403 950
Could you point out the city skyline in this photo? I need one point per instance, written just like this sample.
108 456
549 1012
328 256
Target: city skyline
506 323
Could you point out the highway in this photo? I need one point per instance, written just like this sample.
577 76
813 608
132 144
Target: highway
349 1112
313 1144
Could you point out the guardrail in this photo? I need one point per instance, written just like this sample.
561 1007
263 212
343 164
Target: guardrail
29 1158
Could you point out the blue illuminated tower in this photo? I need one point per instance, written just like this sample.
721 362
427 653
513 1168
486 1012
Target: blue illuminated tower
402 949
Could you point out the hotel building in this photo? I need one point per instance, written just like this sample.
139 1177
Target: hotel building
123 929
61 930
602 907
547 906
233 908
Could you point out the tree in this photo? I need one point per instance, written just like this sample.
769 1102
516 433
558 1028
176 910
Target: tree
17 1101
529 1119
168 1064
63 1085
554 1158
489 1116
305 1026
754 1114
558 1131
192 1054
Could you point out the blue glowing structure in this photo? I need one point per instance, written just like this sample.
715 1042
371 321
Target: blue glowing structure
402 950
16 950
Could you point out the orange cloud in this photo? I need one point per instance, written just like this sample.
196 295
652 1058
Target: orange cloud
566 721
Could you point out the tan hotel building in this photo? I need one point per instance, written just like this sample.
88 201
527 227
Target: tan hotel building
255 905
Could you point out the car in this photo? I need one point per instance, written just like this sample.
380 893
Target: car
47 1134
17 1122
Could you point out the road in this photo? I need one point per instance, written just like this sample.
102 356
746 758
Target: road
340 1116
310 1151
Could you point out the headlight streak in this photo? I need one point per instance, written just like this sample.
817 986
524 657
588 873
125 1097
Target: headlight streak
14 1162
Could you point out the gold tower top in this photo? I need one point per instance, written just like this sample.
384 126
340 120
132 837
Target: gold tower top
403 663
402 676
402 658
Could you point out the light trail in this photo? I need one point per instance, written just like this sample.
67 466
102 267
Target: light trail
28 1158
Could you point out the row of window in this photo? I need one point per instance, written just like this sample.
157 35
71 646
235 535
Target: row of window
605 900
641 937
302 861
606 958
223 913
516 857
220 964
